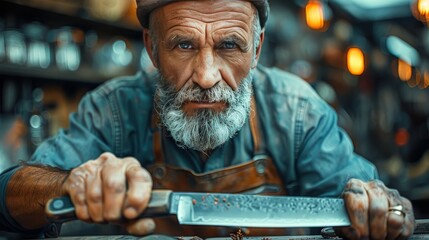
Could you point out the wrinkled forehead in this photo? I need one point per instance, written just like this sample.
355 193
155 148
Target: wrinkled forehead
189 12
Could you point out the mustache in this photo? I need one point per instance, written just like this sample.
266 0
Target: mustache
221 92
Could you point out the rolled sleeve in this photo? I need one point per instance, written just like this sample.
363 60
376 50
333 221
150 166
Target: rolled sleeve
88 136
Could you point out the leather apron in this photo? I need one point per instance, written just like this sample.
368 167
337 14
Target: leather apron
256 176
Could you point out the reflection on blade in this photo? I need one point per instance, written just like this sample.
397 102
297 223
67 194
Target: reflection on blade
261 211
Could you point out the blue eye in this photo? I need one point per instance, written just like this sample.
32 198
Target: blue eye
229 45
185 45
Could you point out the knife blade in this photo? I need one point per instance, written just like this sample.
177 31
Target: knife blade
220 209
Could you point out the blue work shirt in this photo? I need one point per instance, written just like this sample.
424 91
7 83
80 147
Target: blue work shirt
313 155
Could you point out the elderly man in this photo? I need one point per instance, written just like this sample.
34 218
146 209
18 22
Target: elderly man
210 120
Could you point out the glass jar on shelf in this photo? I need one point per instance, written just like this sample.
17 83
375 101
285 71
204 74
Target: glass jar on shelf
15 46
67 51
38 49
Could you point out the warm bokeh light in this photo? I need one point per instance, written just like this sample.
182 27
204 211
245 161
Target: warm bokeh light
415 80
402 136
355 61
426 80
423 7
420 10
405 70
314 15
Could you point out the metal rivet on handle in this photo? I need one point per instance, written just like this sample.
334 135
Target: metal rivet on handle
58 204
260 167
159 172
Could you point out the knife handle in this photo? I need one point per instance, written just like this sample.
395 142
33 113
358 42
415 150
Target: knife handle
61 209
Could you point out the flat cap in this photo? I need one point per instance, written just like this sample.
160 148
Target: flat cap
145 7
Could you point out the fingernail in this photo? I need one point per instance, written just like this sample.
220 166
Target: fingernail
130 213
150 226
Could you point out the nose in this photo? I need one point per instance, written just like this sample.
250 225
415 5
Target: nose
206 70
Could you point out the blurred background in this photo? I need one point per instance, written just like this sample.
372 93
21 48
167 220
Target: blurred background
369 59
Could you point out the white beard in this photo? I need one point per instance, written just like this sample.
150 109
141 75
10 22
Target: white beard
206 129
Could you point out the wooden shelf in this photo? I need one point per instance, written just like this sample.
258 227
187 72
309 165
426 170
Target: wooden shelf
82 75
80 20
17 13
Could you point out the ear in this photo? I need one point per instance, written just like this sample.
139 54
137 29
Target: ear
258 49
148 44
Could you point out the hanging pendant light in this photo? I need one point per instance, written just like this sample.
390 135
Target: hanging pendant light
314 15
420 10
355 61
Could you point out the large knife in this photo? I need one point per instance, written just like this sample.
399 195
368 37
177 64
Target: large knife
238 210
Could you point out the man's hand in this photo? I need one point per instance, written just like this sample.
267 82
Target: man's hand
368 207
108 188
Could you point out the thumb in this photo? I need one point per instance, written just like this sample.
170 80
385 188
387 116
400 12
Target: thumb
142 226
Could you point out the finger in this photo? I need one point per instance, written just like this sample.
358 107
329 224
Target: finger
409 225
400 226
114 187
356 202
75 187
143 226
378 205
395 222
139 191
94 191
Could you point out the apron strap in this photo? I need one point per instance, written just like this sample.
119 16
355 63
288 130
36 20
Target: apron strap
157 140
254 128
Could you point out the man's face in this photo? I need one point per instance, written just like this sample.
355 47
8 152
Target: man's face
204 51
